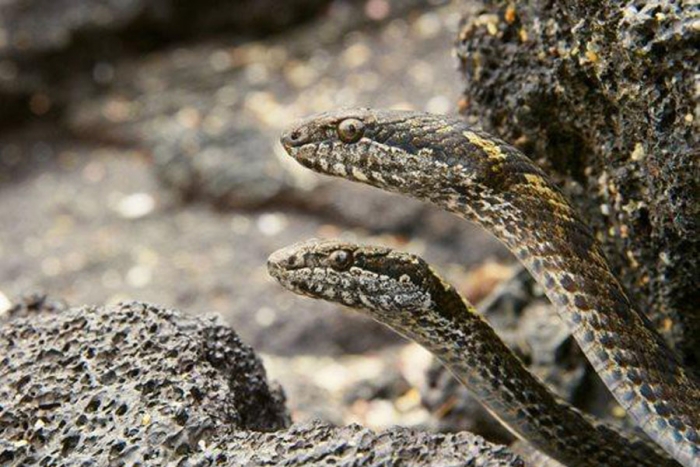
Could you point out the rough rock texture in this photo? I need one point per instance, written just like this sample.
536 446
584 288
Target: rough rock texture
30 304
139 384
319 444
125 383
605 95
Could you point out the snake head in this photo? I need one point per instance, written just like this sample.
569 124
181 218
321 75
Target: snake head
401 151
375 279
385 148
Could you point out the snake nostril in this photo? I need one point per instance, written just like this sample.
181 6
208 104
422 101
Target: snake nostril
296 137
293 138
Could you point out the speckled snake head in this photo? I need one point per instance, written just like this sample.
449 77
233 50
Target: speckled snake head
325 127
332 143
397 150
376 279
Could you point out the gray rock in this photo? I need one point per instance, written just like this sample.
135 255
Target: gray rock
231 168
139 384
50 47
354 446
28 305
605 95
125 384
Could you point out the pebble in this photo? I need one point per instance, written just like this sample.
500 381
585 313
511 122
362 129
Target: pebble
136 205
265 316
271 224
5 304
139 276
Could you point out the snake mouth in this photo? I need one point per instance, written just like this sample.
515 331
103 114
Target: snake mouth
300 148
278 270
287 266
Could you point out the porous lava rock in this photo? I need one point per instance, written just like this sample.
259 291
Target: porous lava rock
126 384
604 95
138 384
316 443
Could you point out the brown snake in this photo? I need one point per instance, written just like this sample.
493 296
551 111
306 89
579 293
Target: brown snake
402 292
483 179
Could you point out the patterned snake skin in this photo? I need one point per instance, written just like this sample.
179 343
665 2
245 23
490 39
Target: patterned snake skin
402 292
483 179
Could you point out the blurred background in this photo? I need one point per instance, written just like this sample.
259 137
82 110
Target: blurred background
139 160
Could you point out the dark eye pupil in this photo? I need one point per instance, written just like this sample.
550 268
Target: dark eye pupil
340 259
350 130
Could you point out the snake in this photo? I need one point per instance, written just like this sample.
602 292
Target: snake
444 161
403 292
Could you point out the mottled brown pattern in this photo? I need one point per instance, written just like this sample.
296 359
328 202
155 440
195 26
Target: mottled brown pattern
429 157
402 292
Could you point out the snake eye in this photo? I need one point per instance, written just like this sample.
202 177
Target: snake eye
340 260
294 261
350 130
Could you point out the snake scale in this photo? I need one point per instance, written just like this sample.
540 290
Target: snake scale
483 179
402 292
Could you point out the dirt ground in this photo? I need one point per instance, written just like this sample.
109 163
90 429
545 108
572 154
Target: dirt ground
109 202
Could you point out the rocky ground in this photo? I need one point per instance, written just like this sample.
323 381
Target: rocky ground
137 384
96 201
139 161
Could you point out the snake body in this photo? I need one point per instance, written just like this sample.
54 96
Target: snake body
483 179
402 292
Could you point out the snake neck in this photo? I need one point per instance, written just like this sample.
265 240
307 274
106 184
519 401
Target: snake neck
642 373
457 335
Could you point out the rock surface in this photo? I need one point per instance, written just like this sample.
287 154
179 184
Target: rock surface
137 383
353 446
212 113
605 95
128 383
53 51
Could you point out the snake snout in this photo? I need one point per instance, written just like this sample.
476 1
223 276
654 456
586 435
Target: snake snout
277 263
289 258
294 138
